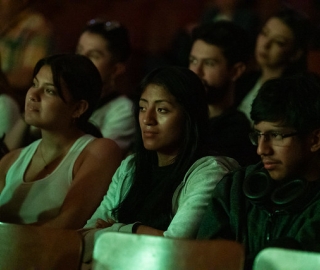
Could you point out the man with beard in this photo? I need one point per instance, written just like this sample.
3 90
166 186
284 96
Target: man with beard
218 56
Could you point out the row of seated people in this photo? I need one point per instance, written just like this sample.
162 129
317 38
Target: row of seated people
219 55
173 185
164 188
24 42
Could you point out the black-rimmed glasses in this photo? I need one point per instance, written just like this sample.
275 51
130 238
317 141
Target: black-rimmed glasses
275 138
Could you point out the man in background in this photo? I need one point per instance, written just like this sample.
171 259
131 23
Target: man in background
219 55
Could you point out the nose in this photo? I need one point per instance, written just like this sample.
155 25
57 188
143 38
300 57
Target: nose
33 95
149 118
264 147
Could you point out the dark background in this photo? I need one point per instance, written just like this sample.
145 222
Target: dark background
152 23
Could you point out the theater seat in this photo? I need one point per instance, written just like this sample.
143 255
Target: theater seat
39 248
119 251
286 259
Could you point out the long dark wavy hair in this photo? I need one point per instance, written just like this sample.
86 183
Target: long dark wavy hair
189 92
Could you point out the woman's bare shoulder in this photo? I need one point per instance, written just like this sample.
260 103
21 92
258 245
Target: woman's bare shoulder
8 159
102 144
100 149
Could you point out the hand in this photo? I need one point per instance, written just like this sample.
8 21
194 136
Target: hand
104 224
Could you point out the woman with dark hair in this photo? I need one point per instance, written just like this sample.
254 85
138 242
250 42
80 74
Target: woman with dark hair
164 187
60 179
281 50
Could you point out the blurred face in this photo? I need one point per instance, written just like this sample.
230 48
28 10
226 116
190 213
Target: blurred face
291 158
44 108
275 44
209 63
9 8
95 48
161 120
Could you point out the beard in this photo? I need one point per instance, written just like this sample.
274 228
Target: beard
216 94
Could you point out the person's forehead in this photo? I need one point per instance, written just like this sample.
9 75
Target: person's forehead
92 41
279 29
205 49
266 126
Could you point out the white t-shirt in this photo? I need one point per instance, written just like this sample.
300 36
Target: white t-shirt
245 105
115 120
9 115
28 202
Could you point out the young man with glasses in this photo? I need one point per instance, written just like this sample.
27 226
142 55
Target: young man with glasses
277 201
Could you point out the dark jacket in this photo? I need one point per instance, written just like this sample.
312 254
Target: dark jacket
228 135
232 215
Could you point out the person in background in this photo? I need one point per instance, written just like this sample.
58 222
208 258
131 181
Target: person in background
218 56
276 202
10 112
281 50
107 45
238 11
25 37
164 187
59 180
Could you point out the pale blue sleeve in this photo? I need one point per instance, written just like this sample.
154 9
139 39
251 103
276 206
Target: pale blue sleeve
193 197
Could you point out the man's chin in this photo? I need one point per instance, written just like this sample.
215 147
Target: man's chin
276 175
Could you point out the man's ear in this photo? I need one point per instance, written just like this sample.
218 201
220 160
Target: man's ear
80 108
315 140
237 70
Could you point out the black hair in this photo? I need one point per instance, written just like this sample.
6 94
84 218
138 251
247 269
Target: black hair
300 26
232 39
116 35
80 76
293 101
189 92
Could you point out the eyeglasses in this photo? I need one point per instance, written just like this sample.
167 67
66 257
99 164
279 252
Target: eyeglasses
108 25
275 138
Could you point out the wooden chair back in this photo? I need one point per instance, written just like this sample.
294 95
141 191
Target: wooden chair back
117 251
39 248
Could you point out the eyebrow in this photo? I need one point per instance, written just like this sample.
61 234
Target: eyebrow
157 101
205 58
95 51
275 129
48 84
280 36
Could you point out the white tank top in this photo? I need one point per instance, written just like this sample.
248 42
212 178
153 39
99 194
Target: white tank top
28 202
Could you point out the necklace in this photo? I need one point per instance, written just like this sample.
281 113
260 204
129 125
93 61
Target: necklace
46 164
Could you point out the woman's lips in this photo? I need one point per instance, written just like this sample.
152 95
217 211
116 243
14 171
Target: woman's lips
149 134
32 108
